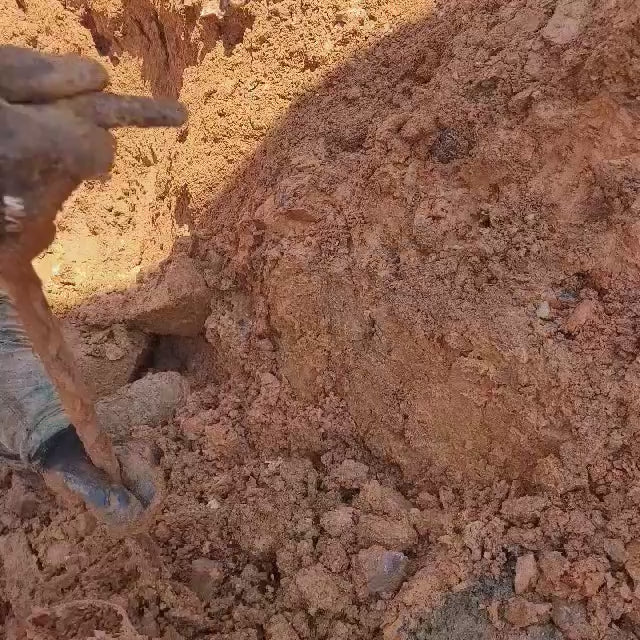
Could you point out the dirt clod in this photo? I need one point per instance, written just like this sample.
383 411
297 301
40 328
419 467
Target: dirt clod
520 612
571 619
391 533
526 573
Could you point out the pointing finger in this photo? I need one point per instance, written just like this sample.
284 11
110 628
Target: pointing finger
29 77
108 110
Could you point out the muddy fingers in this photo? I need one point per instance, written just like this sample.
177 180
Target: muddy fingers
108 110
27 76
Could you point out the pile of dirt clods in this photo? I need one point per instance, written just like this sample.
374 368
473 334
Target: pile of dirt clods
375 308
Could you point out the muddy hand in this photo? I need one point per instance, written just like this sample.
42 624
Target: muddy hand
54 121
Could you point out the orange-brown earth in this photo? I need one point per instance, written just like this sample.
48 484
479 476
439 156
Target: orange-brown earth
395 254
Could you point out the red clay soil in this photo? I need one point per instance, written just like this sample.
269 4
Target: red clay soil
396 253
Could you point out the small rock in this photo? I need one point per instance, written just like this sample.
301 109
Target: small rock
323 591
524 510
150 401
351 474
521 613
396 533
553 565
526 573
566 21
219 8
571 619
211 8
351 16
206 577
337 521
383 571
173 301
543 311
615 550
213 504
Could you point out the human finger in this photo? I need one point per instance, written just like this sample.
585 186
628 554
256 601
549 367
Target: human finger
108 110
27 76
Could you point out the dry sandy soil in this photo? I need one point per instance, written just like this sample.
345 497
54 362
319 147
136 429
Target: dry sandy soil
395 258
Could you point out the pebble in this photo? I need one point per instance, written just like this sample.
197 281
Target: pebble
543 311
580 316
213 504
566 21
352 16
384 571
615 550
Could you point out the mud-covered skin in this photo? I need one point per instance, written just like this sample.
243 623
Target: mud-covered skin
53 124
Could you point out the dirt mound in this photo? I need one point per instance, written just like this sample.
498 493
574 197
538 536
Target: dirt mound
401 264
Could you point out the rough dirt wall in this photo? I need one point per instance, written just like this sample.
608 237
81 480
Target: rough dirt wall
411 235
398 236
440 232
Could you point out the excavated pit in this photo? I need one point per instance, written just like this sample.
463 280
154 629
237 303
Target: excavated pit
394 254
